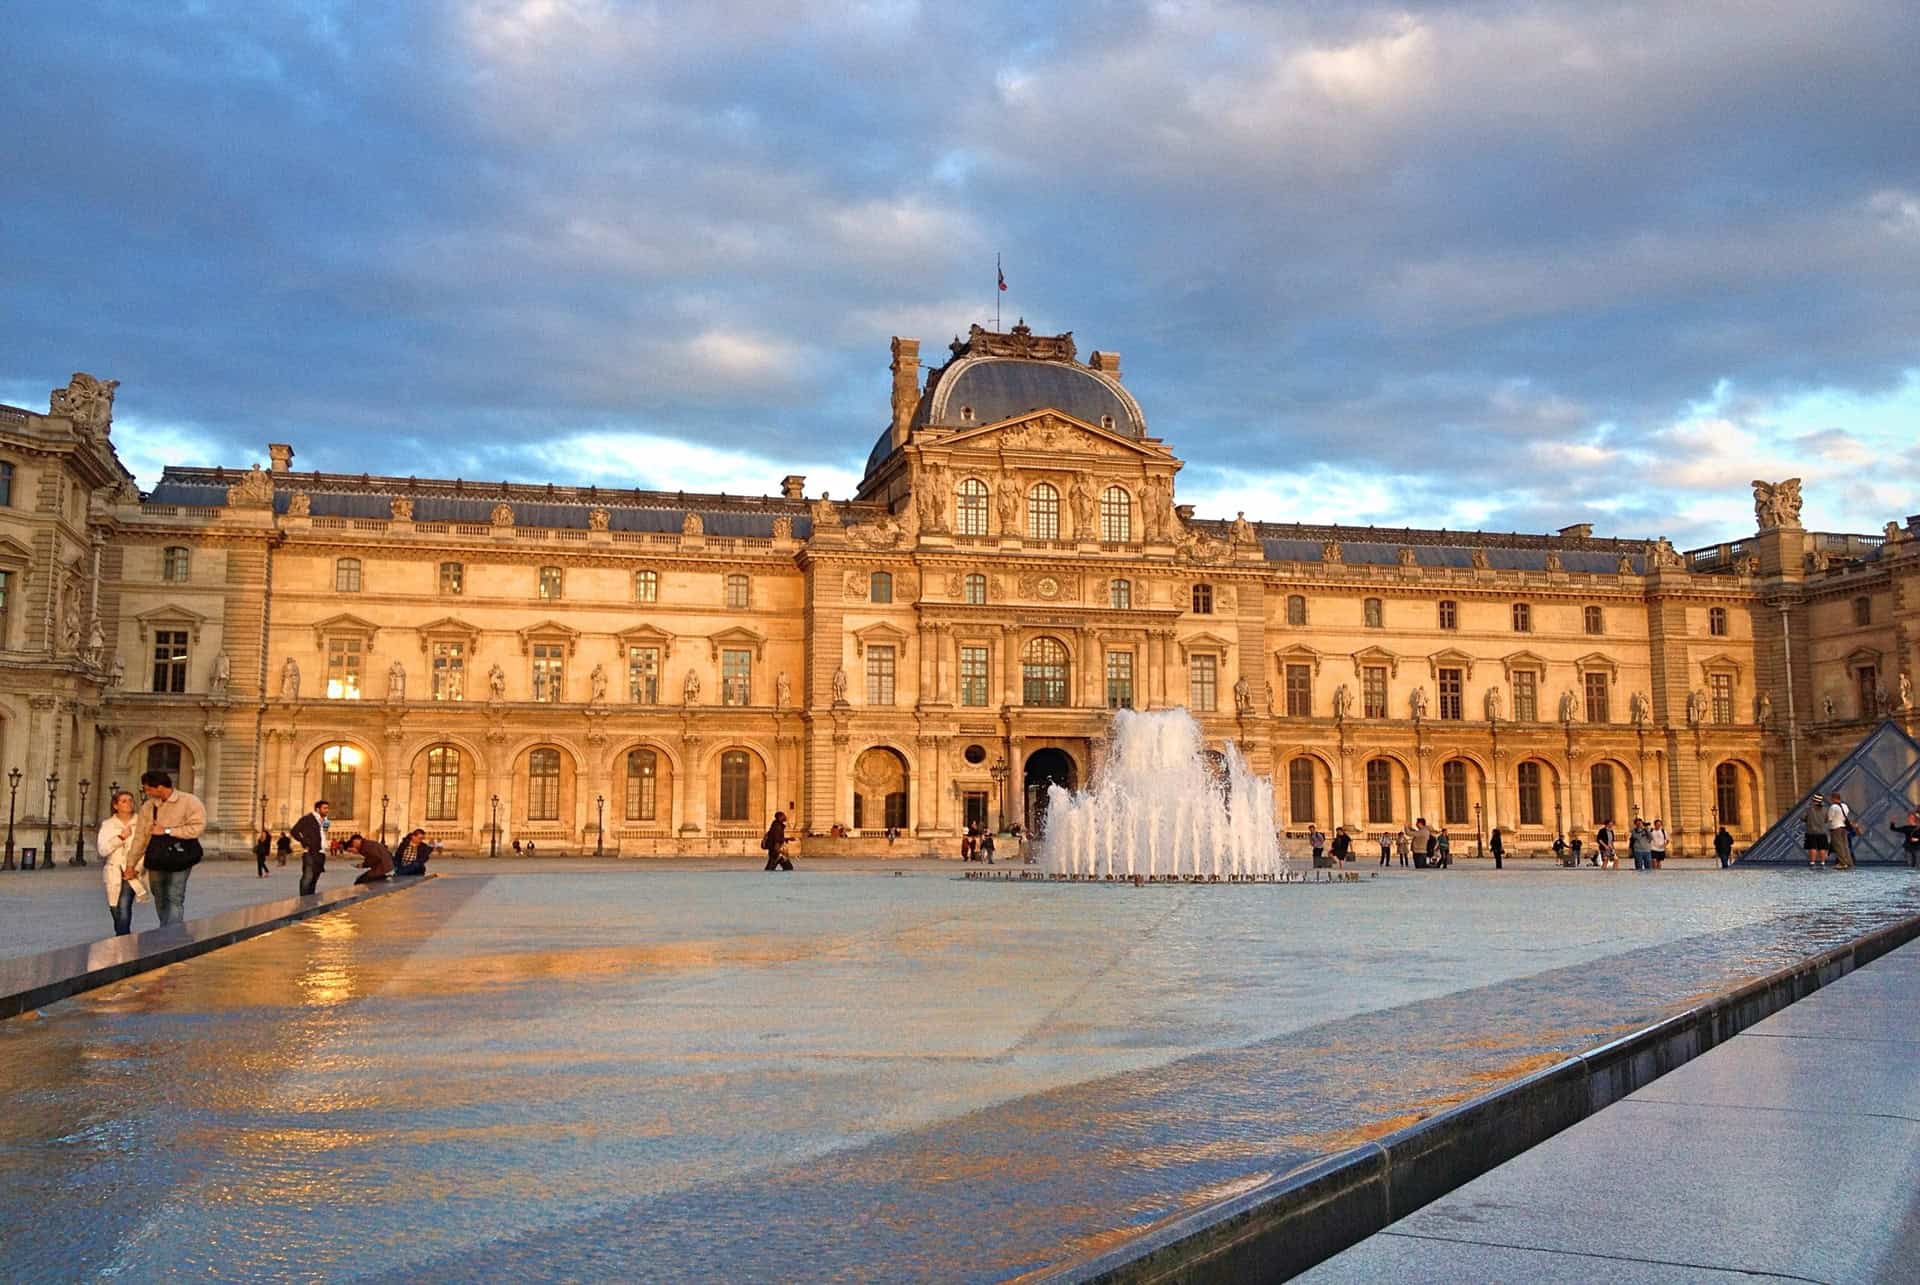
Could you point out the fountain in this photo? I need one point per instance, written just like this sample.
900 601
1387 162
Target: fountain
1160 811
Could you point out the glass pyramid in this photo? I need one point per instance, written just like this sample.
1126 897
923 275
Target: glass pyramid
1879 779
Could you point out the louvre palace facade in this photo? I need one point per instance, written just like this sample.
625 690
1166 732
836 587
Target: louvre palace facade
651 673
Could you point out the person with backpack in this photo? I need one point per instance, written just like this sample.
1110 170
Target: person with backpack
1840 832
166 842
775 844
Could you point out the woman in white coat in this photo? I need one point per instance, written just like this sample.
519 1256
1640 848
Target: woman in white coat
124 882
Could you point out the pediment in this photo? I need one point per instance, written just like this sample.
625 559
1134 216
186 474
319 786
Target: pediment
1051 431
882 633
1205 644
1376 656
445 628
344 624
1596 662
1721 663
12 550
170 617
1526 660
1449 658
548 631
1863 658
646 636
1298 654
738 636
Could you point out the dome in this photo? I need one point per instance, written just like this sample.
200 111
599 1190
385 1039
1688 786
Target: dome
985 390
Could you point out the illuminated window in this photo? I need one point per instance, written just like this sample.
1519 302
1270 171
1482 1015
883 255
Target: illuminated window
449 671
551 583
971 507
339 765
170 660
736 773
1116 516
443 783
1044 673
736 676
1119 680
1043 512
643 675
543 785
549 671
1373 691
646 586
343 669
643 775
453 577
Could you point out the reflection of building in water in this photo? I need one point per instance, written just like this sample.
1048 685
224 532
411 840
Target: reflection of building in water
938 648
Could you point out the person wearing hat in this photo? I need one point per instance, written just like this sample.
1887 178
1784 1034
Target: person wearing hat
1816 842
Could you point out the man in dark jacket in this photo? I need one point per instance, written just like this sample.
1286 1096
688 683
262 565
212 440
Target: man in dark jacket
1723 847
375 859
775 842
310 832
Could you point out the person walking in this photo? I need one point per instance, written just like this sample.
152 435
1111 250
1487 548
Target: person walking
282 849
1386 849
262 847
1403 847
311 832
166 842
1816 841
1657 837
1910 829
1444 842
775 843
1840 832
1603 846
115 845
1498 847
1723 847
1640 845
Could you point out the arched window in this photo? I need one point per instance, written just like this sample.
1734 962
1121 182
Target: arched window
165 756
643 775
1116 516
443 783
737 595
1044 673
346 575
1120 595
1300 791
1531 802
736 774
1043 512
1296 609
1594 619
543 785
1453 792
973 590
339 765
1373 613
1522 618
1601 778
175 564
1726 794
970 507
1379 792
880 587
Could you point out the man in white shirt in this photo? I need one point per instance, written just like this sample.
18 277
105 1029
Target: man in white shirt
1840 832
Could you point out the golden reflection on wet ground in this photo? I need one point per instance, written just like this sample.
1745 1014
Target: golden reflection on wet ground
835 1077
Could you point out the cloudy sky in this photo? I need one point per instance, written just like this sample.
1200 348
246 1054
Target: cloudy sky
1500 265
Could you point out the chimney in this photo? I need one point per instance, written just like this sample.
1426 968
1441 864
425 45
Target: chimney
793 486
1107 363
282 456
1578 531
906 386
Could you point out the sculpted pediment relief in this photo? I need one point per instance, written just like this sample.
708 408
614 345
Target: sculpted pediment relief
446 628
549 631
738 636
1052 431
646 636
1298 654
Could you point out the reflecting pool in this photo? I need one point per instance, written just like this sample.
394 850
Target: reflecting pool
826 1075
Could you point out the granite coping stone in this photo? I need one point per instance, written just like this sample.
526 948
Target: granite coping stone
1289 1224
29 981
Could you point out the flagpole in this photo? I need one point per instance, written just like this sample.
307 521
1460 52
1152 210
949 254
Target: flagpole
998 277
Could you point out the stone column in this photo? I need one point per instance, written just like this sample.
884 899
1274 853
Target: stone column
1010 664
1422 755
693 803
841 811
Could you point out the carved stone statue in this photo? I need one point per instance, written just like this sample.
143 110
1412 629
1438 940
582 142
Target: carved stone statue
1893 533
299 505
930 498
1817 560
1242 696
1566 707
87 401
1007 497
783 528
1156 506
1493 704
254 491
1085 509
1906 691
1624 567
1776 504
1418 703
1479 560
597 684
690 688
1696 707
290 680
1764 711
222 675
539 684
1240 531
1408 557
119 670
840 686
1826 707
397 682
597 519
502 514
1661 553
782 690
496 683
1342 702
1638 711
1553 560
693 524
825 512
400 508
96 644
1330 551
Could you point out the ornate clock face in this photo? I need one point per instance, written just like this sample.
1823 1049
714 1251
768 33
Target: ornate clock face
1048 587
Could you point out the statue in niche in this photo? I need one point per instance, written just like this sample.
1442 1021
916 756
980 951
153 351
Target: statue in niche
1242 696
290 680
96 644
119 671
222 675
782 690
1008 498
1696 707
690 688
1342 702
840 686
597 685
1418 702
496 683
1156 506
1085 508
931 498
1638 709
1566 707
396 682
1826 706
1764 710
1493 704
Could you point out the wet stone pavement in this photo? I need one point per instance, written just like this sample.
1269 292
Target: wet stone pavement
833 1075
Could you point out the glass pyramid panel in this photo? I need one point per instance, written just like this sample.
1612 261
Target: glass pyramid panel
1879 779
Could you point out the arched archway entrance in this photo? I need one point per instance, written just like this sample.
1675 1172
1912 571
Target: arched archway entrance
880 790
1046 767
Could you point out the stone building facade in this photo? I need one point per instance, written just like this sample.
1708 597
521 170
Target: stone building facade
656 673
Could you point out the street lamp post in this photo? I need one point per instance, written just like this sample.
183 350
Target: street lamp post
1479 844
383 818
263 814
46 853
999 773
493 843
600 831
80 825
13 793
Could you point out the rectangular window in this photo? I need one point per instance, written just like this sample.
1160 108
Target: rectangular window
175 565
346 575
550 583
1373 691
1122 595
736 676
974 590
1532 808
880 587
543 785
6 594
1594 619
646 586
1452 704
1379 793
443 783
1717 621
1299 691
549 671
1119 680
1866 682
6 484
1522 618
449 671
1203 683
973 675
1453 792
1863 610
1597 711
643 775
737 592
1300 791
643 675
1721 688
343 669
879 675
1203 600
1374 612
453 577
1526 696
1449 614
736 781
170 660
